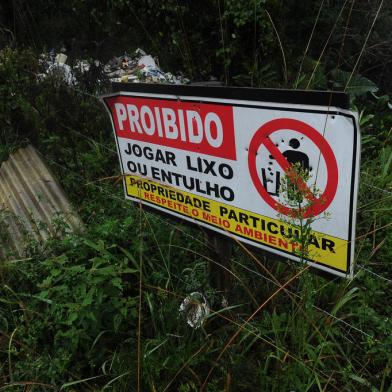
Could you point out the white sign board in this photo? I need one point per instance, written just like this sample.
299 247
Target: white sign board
223 163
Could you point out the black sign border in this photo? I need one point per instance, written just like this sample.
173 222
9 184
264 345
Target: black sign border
300 97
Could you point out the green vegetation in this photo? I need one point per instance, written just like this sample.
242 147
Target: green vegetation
69 311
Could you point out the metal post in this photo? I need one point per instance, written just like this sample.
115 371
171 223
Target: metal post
220 248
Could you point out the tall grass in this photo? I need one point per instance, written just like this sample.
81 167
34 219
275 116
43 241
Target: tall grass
99 311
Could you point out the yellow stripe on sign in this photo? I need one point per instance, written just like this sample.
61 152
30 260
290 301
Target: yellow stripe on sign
322 248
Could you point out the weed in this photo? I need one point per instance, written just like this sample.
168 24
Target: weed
69 311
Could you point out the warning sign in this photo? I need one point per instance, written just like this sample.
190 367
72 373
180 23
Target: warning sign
290 157
257 165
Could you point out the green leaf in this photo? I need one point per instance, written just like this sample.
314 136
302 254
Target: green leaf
69 384
346 298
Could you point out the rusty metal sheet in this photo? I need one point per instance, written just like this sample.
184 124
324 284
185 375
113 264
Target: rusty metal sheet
33 206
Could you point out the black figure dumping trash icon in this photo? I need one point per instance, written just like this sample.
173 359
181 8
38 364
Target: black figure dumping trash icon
293 157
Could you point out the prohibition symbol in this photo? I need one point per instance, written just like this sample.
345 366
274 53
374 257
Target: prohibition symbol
316 204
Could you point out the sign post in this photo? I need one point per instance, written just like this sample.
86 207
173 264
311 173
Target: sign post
219 267
218 156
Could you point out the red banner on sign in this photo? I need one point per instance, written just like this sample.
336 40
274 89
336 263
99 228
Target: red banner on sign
192 126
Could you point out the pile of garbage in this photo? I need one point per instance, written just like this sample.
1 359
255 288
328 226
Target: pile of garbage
139 67
135 68
54 65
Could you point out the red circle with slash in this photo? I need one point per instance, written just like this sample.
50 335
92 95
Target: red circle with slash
262 137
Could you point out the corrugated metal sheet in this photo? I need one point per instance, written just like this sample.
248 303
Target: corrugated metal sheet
31 202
